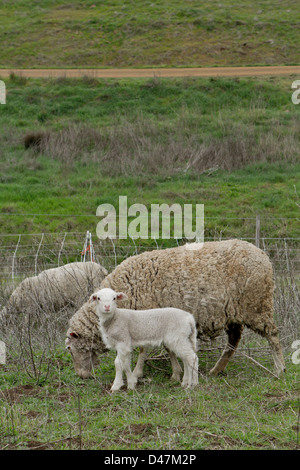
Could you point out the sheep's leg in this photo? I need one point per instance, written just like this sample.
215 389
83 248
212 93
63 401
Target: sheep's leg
176 368
131 378
276 350
122 364
194 374
185 350
138 370
269 331
186 374
190 376
234 333
118 382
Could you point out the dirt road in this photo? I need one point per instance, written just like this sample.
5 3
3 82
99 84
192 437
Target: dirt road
156 72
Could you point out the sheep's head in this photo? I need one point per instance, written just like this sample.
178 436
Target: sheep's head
106 301
84 355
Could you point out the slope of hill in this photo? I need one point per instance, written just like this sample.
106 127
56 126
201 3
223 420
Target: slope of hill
118 33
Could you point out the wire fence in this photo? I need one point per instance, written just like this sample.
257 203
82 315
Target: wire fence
27 254
24 255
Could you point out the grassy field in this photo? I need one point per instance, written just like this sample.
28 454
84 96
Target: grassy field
230 144
245 409
45 405
165 33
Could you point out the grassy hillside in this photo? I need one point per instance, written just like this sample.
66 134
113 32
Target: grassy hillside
57 33
230 144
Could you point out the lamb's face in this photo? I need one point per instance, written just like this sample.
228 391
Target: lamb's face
106 301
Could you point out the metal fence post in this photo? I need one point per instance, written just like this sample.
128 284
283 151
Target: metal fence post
257 232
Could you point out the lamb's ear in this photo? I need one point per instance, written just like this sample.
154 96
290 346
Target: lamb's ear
93 298
121 296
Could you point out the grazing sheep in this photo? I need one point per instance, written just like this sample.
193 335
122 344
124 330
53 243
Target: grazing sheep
226 285
124 329
55 289
84 340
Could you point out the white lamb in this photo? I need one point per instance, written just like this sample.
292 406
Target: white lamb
124 329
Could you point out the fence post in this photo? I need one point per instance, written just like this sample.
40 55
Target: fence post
61 248
14 260
257 232
37 254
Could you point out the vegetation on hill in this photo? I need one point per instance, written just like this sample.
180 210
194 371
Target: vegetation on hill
118 33
232 145
67 146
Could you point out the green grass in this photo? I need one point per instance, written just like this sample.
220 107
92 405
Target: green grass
245 409
150 129
248 131
240 195
139 138
203 103
119 33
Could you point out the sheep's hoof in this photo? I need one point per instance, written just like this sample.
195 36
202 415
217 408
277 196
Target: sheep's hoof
176 378
131 386
214 372
189 386
115 388
280 372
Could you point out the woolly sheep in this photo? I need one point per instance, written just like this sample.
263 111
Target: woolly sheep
124 329
84 340
226 285
56 288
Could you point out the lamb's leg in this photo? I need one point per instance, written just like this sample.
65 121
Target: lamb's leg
185 349
118 382
234 333
138 370
122 363
176 368
131 378
194 374
190 376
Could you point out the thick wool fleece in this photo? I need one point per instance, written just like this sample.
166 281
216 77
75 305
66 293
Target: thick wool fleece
85 325
226 285
56 288
220 283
